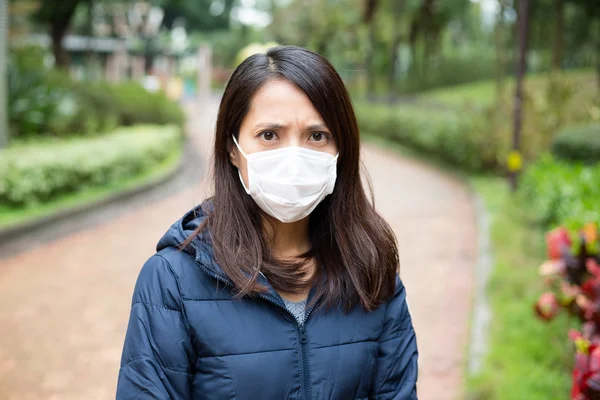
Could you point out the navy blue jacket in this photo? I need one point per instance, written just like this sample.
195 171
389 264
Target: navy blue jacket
188 338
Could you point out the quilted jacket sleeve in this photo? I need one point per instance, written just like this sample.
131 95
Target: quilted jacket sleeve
396 370
158 356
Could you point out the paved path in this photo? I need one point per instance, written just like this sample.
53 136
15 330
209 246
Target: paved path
64 304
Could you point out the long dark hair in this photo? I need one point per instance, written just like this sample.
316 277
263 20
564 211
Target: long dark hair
353 248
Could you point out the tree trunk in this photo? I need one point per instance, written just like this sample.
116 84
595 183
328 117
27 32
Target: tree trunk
59 25
557 48
370 64
3 77
430 34
412 40
369 18
396 40
500 52
522 33
598 54
89 54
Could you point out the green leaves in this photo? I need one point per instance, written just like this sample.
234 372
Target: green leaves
579 143
456 136
44 102
35 173
559 193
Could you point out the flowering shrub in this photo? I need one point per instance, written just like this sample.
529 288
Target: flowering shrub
573 275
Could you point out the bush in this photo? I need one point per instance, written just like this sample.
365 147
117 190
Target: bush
33 99
578 143
448 70
573 277
43 101
550 103
560 193
457 137
101 107
35 173
136 106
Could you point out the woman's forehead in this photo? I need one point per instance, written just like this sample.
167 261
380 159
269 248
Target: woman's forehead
282 102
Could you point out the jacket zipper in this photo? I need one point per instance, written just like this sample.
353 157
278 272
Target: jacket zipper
305 370
302 338
303 341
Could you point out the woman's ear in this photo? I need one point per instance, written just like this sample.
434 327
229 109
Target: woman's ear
233 157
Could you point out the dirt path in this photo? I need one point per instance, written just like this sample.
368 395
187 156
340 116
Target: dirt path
64 305
434 220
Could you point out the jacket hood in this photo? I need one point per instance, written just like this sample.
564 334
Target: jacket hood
201 246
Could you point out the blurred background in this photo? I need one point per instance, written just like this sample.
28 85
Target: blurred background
484 113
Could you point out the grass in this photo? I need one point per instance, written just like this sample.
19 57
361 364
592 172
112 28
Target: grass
10 216
527 359
484 93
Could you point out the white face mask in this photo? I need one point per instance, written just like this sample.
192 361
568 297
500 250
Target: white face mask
289 183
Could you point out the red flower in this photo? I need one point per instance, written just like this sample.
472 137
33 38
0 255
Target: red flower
557 241
580 368
591 378
592 267
547 306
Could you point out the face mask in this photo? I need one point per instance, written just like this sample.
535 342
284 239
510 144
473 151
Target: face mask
289 183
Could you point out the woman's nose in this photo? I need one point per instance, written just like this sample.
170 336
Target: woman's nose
293 139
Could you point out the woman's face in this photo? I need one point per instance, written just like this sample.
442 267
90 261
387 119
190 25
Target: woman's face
281 115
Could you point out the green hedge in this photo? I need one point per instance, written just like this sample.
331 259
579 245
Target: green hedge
456 136
31 174
560 193
578 143
43 101
88 108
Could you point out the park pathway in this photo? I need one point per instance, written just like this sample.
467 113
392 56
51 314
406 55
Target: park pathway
64 304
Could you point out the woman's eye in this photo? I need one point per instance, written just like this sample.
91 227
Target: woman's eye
318 136
268 135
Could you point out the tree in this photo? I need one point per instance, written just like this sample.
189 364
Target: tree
500 40
57 16
428 22
198 15
522 39
3 77
557 45
371 7
396 40
592 10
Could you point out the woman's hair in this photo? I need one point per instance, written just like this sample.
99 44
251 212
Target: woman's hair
353 248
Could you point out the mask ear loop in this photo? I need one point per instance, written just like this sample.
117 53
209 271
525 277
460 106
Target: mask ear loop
240 172
238 146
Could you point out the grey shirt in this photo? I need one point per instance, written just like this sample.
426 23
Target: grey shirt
298 309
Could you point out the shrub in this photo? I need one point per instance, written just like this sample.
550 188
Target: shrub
101 106
573 275
578 143
43 101
550 103
35 173
560 193
33 99
448 70
137 106
458 137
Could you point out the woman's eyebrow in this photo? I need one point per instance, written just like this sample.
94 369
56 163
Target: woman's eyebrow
316 127
270 125
278 126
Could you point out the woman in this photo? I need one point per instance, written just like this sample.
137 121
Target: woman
284 285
